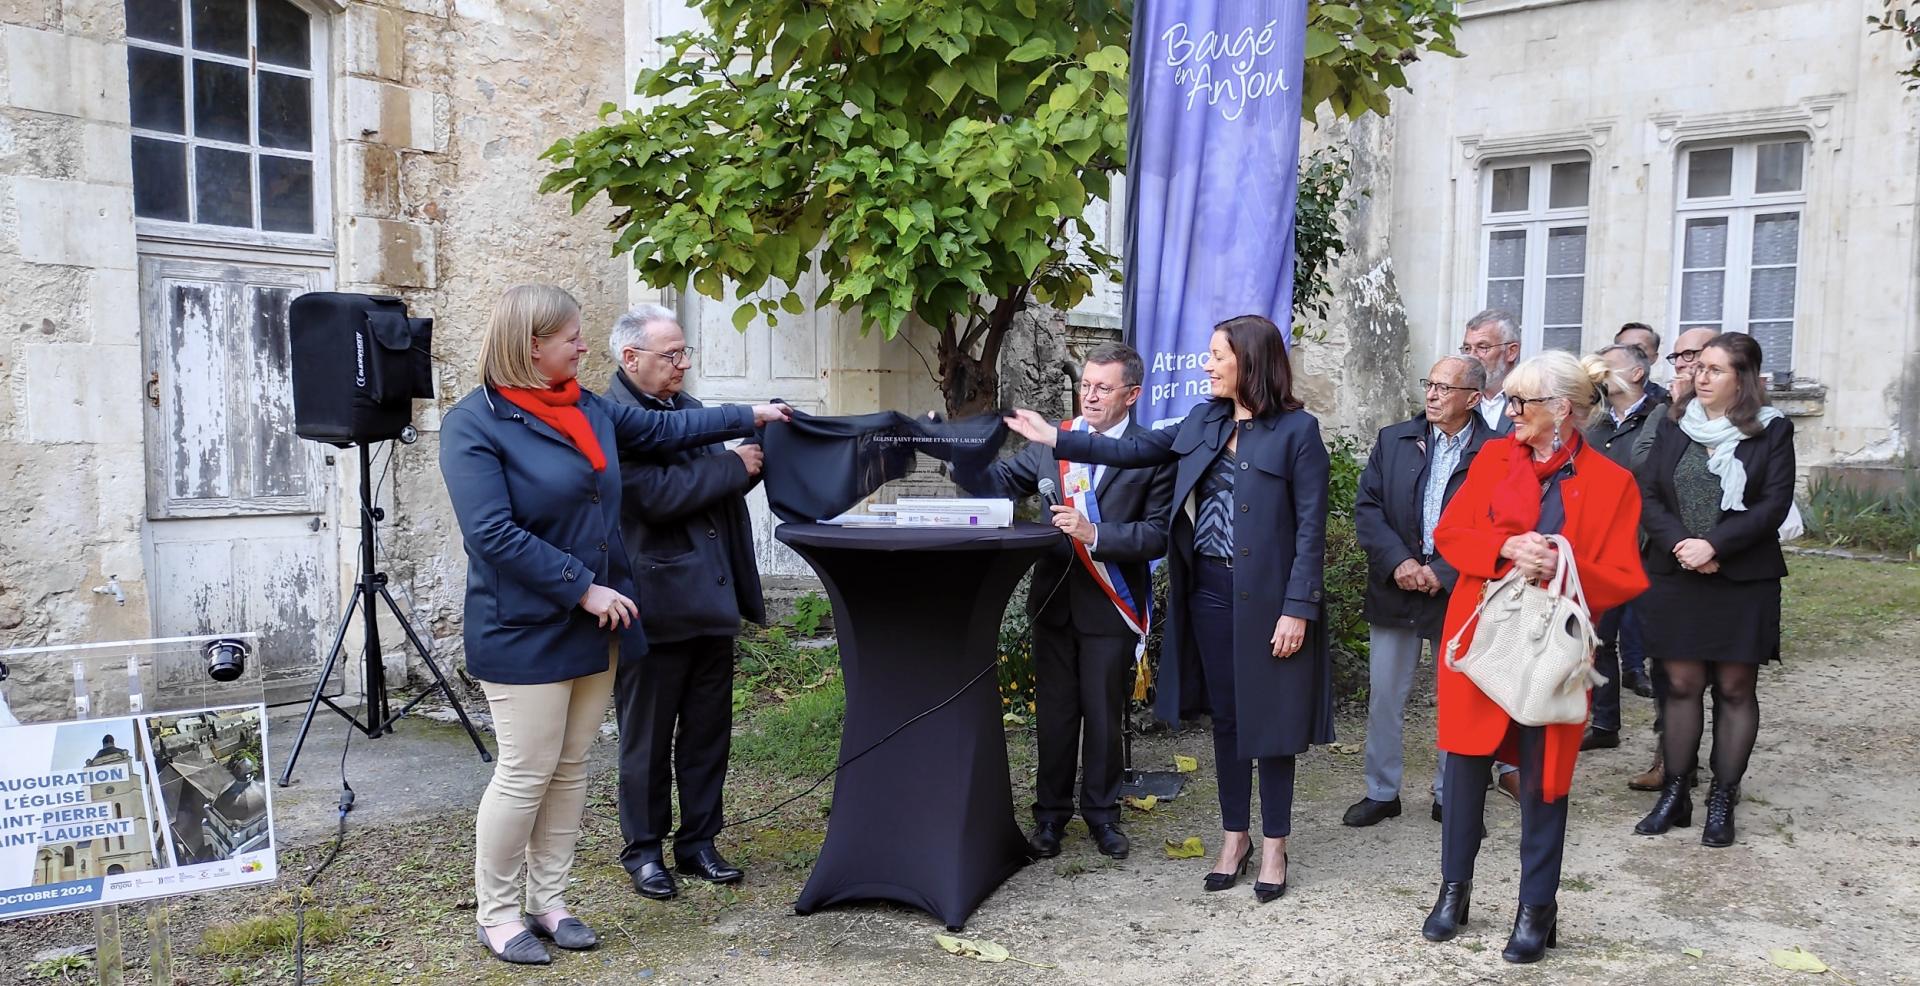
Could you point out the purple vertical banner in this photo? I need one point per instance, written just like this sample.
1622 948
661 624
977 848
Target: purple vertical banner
1213 148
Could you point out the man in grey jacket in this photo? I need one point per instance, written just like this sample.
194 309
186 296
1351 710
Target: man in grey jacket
684 518
1415 468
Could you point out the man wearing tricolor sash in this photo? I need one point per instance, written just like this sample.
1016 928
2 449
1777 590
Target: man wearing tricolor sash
1090 604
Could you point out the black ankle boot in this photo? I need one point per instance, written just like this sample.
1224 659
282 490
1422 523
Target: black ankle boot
1718 831
1449 912
1536 928
1674 807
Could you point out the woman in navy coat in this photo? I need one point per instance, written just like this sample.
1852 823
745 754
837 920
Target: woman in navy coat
1248 544
532 466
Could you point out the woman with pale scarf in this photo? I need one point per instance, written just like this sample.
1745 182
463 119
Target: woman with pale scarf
1716 486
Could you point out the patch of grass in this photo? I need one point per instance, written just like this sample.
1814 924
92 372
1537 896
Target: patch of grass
266 933
1579 883
796 738
1829 603
1068 869
1847 515
66 968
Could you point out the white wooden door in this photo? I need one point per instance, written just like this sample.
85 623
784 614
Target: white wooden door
787 361
239 532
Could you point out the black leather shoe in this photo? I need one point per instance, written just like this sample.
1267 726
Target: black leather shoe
521 949
1044 843
1449 912
1367 811
1674 807
1640 683
1436 811
1217 882
1718 832
653 882
1109 839
571 934
1599 739
1267 893
1536 928
707 864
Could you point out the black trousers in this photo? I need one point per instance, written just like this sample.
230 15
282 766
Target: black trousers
1543 825
675 709
1210 606
1081 685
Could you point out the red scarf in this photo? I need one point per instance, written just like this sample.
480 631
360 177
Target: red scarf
559 407
1516 501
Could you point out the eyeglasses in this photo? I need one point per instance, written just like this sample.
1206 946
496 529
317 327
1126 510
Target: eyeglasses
1710 373
1432 385
680 357
1685 357
1101 390
1517 405
1484 349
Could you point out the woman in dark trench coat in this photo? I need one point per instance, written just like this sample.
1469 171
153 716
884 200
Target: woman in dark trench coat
1248 544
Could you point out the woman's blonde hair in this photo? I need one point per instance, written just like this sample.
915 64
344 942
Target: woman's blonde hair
1558 374
524 313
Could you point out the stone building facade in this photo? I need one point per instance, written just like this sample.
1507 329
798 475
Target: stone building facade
167 185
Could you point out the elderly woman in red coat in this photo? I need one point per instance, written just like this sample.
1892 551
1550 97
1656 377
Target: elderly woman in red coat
1541 479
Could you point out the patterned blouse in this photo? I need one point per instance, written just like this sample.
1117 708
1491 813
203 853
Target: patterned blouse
1213 526
1697 490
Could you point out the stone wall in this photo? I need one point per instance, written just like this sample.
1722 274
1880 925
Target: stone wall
455 103
71 455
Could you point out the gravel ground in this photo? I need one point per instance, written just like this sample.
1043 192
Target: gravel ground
1828 860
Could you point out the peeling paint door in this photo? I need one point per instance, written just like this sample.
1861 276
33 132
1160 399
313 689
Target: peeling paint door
239 532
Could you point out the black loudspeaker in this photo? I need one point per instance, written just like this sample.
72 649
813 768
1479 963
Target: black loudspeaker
358 364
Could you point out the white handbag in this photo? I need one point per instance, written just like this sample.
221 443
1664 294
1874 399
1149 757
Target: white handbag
1532 648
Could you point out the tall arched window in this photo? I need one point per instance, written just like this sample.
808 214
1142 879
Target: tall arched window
66 857
229 116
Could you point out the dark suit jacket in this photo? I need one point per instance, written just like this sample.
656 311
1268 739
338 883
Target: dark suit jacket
1280 546
1387 517
1746 543
541 526
1135 509
1623 442
689 537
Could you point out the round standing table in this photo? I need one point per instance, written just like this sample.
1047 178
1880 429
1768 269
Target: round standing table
926 818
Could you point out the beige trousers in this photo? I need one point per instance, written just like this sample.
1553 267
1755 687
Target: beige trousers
530 816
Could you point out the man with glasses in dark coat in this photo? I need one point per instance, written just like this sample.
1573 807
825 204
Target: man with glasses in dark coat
1415 468
1089 603
684 519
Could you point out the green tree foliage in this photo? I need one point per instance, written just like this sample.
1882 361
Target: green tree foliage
1903 19
931 158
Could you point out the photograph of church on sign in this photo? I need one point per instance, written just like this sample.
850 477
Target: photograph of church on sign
210 768
86 746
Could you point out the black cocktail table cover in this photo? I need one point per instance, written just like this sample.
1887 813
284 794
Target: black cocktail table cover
927 818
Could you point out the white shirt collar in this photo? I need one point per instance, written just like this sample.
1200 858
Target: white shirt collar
1492 407
1117 430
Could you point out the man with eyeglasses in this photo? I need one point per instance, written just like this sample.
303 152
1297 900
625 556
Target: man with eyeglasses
1089 603
1414 469
684 518
1493 340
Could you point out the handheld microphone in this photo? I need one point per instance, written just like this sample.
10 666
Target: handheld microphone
1049 493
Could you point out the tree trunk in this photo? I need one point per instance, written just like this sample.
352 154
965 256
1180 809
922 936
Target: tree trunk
971 384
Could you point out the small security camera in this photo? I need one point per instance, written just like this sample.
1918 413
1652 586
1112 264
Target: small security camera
226 658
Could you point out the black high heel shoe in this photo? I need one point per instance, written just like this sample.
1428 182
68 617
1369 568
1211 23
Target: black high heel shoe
1217 882
1449 913
1267 893
1536 928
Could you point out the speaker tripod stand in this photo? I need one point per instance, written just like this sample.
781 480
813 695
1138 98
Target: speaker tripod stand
368 592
